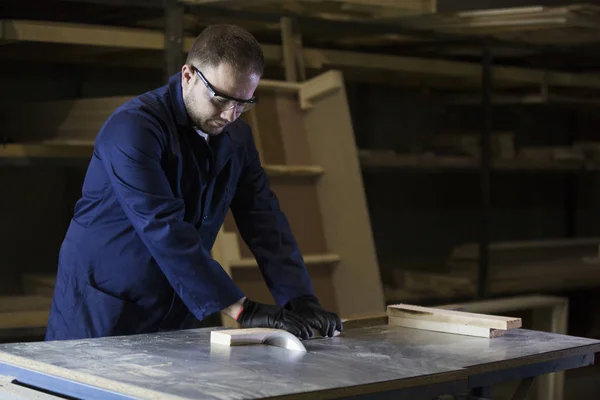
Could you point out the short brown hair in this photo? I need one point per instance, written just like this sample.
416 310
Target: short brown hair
231 44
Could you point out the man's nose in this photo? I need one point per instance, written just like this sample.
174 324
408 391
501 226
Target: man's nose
230 115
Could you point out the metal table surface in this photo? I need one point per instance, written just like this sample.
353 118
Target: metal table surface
184 365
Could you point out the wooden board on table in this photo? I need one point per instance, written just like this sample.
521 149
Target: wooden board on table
446 327
459 318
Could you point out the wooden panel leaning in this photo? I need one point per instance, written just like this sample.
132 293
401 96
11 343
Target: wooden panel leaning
301 126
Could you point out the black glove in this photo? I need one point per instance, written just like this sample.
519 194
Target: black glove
259 315
310 310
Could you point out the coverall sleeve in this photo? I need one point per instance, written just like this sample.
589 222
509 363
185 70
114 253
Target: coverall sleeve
130 147
266 230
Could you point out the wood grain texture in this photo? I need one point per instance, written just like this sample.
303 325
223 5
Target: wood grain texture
453 317
445 327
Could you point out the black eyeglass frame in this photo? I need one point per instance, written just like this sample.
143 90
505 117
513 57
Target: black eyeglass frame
215 92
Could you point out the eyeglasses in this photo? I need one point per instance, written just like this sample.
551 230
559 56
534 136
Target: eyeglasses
225 102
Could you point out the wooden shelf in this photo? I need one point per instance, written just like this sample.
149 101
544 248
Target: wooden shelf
346 10
313 259
501 99
293 170
109 45
59 150
19 153
576 24
429 162
23 316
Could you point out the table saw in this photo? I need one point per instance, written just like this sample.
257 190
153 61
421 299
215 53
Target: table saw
380 361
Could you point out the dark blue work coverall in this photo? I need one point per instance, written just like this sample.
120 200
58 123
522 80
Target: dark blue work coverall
136 256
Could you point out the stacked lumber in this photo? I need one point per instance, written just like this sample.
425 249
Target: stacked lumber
451 151
450 321
532 265
532 24
512 19
342 10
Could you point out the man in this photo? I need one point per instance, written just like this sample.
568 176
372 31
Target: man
166 167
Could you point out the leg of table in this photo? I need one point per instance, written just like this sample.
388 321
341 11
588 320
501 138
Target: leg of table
484 392
551 319
523 389
560 321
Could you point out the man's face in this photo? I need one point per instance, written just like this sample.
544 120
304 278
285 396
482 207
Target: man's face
207 111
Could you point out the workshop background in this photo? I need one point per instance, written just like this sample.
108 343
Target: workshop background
472 164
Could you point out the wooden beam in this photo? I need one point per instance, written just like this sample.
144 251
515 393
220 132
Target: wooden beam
294 170
407 311
92 35
445 327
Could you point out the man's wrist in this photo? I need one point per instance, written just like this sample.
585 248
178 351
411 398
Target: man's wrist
233 311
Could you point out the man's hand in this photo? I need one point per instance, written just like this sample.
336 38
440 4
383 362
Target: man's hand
254 315
310 310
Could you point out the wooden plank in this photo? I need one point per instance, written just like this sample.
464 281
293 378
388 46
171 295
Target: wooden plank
24 319
83 149
24 312
294 170
82 34
531 249
468 330
10 304
317 58
453 317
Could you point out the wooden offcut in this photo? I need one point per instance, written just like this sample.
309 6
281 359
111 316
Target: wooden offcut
446 327
450 321
453 317
251 336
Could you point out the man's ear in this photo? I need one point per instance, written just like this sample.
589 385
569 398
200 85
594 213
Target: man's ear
187 75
